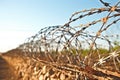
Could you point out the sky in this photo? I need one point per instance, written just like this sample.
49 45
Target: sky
20 19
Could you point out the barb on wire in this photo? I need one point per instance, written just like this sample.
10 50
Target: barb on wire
105 3
113 55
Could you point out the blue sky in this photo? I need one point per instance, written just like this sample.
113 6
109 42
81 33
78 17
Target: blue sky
19 19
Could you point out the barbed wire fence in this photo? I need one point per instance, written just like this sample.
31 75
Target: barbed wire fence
90 35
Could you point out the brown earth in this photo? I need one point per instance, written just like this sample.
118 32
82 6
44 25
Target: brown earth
14 58
6 71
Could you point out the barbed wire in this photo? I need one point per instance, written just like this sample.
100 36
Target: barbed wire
71 39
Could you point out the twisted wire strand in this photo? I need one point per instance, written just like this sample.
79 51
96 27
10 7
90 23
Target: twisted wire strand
71 39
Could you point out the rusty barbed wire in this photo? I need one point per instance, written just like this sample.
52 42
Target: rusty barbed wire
72 39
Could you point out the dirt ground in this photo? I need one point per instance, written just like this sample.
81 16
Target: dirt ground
6 71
